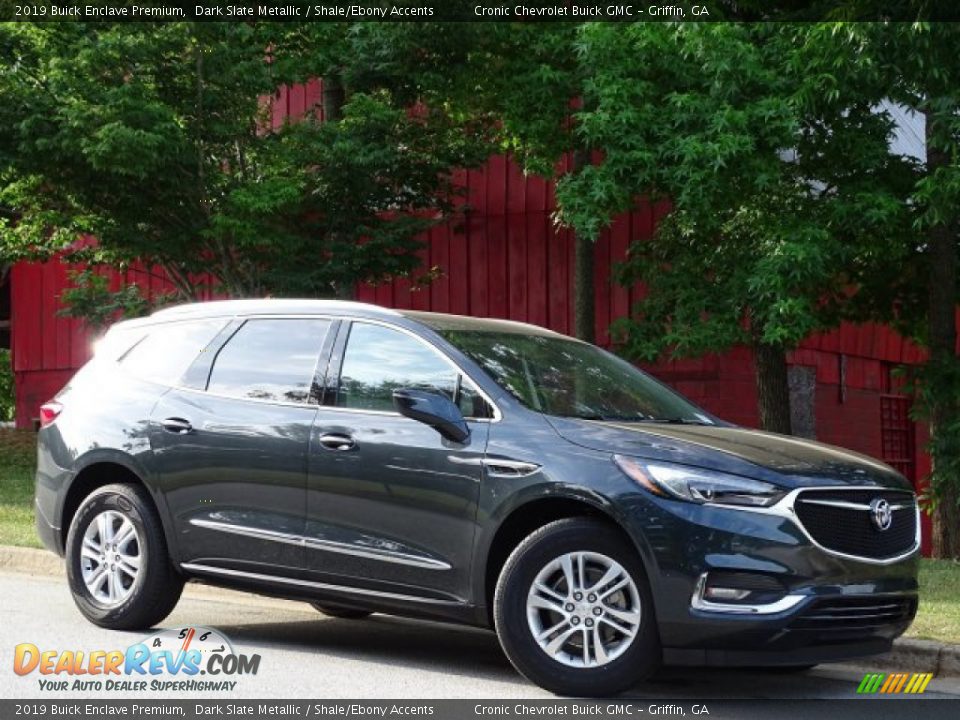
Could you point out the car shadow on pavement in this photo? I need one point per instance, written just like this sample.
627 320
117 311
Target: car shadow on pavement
475 653
424 645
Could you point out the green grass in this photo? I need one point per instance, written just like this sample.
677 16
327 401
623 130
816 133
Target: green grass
939 615
18 456
937 619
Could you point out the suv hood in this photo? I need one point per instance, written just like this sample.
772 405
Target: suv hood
780 459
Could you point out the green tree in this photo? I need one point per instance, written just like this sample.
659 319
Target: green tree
517 82
787 204
916 66
156 140
8 405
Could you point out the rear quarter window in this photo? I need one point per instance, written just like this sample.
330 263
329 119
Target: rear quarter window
166 351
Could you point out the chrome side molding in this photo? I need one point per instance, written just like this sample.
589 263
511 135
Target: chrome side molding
391 556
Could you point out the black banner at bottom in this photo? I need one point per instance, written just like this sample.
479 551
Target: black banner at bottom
619 709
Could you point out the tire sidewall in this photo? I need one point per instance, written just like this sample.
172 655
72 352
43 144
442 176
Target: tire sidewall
510 611
108 499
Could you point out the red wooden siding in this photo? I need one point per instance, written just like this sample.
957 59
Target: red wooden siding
47 348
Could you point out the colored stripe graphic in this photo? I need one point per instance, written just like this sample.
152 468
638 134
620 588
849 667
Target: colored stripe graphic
894 683
870 683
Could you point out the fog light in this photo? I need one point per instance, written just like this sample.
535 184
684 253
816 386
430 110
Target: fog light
743 593
725 594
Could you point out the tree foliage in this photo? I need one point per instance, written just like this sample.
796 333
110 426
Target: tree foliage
785 196
916 65
91 299
519 82
156 139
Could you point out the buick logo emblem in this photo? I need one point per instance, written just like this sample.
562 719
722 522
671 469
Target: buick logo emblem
881 514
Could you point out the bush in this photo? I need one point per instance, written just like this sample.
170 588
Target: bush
7 400
91 299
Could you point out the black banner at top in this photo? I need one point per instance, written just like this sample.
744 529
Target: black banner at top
477 11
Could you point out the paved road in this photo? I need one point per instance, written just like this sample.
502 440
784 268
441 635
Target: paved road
306 655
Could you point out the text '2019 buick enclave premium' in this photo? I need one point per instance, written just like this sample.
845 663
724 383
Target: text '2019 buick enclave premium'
478 471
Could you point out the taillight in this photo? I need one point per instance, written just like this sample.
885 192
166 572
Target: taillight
49 412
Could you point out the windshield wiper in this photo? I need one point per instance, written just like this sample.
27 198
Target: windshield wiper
598 416
638 418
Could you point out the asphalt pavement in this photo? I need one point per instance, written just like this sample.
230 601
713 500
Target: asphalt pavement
305 655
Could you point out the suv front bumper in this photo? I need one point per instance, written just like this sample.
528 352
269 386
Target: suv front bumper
828 606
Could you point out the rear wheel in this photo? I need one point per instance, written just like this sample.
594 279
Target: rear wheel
117 562
573 610
339 611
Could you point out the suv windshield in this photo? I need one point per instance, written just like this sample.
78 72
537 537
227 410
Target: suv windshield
568 378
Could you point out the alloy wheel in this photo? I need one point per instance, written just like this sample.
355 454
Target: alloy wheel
110 557
584 609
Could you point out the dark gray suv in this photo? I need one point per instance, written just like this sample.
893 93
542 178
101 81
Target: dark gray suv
477 471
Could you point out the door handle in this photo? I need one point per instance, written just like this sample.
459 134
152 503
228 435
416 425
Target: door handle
177 426
334 441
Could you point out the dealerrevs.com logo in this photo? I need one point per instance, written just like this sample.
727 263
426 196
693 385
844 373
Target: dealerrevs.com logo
191 659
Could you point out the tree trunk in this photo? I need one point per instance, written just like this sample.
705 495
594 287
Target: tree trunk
942 330
333 99
584 310
773 389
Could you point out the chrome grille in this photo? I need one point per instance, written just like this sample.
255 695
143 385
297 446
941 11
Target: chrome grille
840 520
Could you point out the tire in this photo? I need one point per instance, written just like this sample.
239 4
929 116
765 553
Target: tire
121 600
625 658
339 611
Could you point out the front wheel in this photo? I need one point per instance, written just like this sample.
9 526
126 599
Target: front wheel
573 610
117 563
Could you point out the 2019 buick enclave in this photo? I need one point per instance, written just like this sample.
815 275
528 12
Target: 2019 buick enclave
471 470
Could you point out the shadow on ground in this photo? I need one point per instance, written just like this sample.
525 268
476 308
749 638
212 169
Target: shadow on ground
472 653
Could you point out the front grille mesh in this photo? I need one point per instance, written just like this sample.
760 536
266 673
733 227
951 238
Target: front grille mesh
856 613
851 531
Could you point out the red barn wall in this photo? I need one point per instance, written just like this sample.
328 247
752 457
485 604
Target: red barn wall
46 347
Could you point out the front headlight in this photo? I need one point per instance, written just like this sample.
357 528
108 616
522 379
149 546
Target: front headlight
699 486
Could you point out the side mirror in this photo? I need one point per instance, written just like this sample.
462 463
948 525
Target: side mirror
432 409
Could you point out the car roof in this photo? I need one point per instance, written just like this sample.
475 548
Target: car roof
296 306
270 306
443 321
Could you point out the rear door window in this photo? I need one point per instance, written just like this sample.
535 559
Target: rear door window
273 360
166 351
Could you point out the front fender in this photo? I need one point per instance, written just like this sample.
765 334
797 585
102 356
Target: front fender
546 490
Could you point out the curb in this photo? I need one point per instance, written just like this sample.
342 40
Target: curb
908 655
31 561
